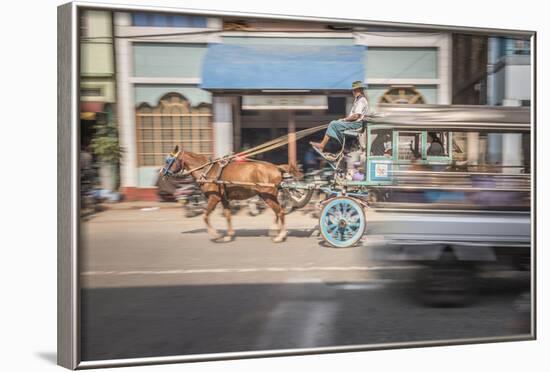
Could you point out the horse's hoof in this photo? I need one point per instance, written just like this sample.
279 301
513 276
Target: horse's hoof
279 239
216 237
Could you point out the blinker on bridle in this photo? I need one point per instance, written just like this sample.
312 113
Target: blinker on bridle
170 160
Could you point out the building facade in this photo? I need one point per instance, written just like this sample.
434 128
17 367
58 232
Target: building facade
509 72
470 55
493 71
97 84
219 85
97 70
509 84
159 59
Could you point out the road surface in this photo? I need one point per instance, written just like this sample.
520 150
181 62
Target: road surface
152 284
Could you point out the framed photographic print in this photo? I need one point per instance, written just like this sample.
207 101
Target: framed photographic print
237 185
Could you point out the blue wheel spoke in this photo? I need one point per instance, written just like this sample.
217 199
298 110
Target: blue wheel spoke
341 222
350 230
345 209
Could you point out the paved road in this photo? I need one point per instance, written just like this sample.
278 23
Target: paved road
153 284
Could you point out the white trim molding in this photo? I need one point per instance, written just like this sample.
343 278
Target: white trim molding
165 80
403 81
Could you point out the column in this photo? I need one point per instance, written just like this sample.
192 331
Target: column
493 52
512 155
223 125
494 140
494 148
445 70
125 106
237 124
511 152
291 138
472 143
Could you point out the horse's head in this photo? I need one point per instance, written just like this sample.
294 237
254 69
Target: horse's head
174 163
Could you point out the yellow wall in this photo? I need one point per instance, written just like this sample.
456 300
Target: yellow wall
96 60
96 55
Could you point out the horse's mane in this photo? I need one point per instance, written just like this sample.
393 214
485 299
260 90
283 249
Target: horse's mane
196 158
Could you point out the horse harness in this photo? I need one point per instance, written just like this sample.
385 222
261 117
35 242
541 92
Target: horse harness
203 178
222 186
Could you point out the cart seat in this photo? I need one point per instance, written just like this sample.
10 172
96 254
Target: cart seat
354 132
359 131
359 134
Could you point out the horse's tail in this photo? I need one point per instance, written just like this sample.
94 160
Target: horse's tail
291 169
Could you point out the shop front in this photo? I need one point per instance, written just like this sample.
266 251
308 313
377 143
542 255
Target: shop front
261 92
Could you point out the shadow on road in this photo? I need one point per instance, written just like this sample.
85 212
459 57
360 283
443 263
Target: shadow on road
299 233
136 322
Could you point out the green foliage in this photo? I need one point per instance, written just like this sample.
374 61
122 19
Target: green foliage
105 143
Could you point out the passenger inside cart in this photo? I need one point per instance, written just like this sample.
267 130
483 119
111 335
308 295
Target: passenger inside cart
436 147
381 144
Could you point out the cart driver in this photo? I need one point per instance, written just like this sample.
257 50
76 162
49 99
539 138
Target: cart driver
358 111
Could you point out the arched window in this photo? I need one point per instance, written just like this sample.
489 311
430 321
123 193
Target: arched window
402 94
172 122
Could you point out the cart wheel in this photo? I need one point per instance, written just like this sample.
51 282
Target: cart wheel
285 200
342 222
300 198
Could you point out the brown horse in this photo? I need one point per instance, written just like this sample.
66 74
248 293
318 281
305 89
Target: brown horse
265 176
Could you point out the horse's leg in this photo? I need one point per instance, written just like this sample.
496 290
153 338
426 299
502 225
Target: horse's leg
213 200
227 214
271 200
275 227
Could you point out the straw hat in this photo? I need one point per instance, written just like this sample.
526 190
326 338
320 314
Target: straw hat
357 85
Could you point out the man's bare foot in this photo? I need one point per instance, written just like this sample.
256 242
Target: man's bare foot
317 145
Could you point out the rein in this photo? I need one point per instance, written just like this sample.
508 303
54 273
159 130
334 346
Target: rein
171 159
184 172
203 177
264 147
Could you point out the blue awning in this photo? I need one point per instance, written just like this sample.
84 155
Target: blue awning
229 66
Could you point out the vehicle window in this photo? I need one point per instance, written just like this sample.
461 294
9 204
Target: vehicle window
381 142
437 143
409 146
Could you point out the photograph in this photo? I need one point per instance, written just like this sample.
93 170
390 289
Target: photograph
261 185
